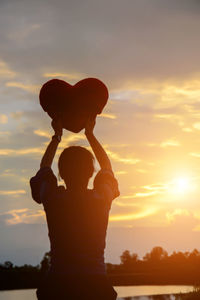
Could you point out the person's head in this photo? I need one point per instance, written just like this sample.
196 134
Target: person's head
76 166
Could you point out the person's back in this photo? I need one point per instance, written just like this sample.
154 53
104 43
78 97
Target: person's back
77 229
77 220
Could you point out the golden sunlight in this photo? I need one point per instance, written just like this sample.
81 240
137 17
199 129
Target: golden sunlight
182 185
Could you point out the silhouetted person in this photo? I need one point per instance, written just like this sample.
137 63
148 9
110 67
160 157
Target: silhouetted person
77 219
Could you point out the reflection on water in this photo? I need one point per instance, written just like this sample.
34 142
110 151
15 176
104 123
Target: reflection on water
124 293
156 297
18 295
145 290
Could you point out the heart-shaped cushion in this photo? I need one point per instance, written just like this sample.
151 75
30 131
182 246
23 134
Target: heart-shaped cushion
73 103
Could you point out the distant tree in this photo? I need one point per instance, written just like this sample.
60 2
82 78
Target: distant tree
179 257
194 256
128 259
8 265
45 263
156 254
134 257
125 257
147 257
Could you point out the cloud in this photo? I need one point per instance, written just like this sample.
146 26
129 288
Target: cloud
149 191
17 115
187 129
160 187
26 87
38 36
120 203
42 133
167 143
12 193
126 160
164 116
143 171
171 216
196 125
133 216
21 33
121 172
23 215
5 71
5 133
32 151
8 173
194 154
70 139
3 119
140 195
109 116
146 194
64 75
184 219
18 152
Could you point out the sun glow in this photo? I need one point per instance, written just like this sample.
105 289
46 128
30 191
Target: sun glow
182 185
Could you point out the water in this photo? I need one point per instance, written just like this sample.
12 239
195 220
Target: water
18 295
135 292
145 290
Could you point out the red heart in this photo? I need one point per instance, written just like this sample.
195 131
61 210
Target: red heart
74 103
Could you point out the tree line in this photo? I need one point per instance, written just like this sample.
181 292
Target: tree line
156 267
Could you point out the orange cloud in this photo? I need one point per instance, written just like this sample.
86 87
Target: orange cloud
133 216
125 160
3 119
152 190
5 71
24 215
27 87
195 154
16 152
12 192
108 116
171 216
42 133
170 143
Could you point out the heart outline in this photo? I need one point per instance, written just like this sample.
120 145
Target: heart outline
74 103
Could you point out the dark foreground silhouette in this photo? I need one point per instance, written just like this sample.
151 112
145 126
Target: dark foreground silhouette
77 218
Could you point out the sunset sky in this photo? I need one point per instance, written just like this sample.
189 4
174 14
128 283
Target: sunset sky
147 53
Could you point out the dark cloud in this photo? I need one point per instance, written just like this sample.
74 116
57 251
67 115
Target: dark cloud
114 40
179 6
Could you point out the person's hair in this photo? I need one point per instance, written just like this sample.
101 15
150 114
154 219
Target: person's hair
76 165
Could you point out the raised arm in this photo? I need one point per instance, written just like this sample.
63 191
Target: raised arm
49 154
98 150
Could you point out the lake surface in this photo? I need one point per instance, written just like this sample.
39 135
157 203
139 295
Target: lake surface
135 292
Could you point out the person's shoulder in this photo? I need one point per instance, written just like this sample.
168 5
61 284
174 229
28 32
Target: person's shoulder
43 185
106 185
103 176
43 173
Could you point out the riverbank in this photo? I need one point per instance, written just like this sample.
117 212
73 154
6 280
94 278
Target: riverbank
128 293
30 279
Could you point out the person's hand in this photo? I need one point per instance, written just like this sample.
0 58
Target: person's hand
57 126
89 127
